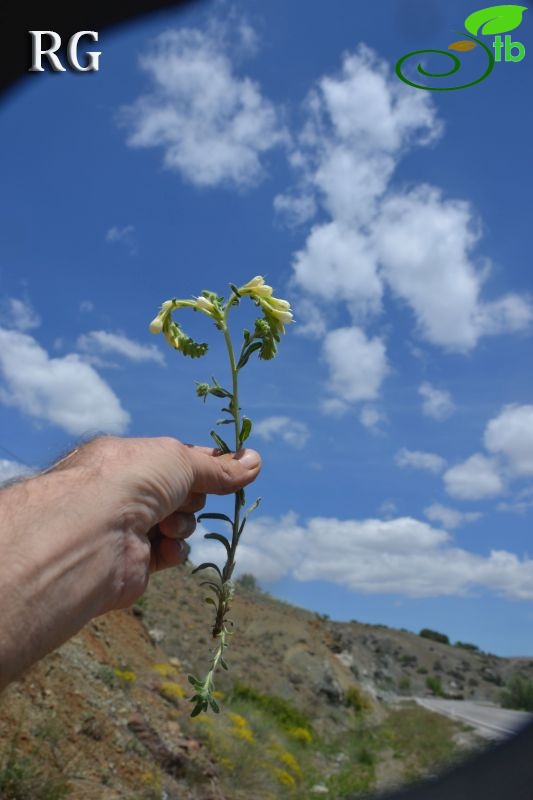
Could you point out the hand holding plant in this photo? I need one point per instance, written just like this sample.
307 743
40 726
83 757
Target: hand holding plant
263 339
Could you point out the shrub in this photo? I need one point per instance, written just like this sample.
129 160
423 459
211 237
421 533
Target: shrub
404 684
248 582
357 700
435 686
435 636
287 715
473 648
519 694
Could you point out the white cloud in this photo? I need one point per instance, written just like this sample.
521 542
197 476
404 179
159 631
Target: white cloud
371 418
21 315
212 125
476 478
338 264
12 469
63 391
436 403
357 365
450 518
418 244
86 306
510 435
402 555
291 431
96 342
125 235
430 462
311 322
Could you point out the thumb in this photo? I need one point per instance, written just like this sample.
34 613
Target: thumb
216 473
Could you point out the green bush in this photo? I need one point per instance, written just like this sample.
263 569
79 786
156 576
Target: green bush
287 715
519 694
467 646
357 700
435 686
247 582
22 778
435 636
404 684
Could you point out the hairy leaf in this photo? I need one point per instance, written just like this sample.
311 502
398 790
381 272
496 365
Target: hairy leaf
220 443
245 429
214 515
219 538
207 565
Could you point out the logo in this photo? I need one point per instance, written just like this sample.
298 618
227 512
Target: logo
491 21
50 52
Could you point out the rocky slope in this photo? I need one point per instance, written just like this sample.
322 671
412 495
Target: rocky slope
107 715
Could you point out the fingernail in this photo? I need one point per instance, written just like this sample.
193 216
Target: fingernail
249 459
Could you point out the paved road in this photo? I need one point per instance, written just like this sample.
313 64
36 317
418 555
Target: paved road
490 721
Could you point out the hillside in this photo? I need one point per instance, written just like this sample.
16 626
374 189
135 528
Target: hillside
310 707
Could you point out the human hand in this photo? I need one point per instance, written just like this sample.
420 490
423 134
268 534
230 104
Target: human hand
83 537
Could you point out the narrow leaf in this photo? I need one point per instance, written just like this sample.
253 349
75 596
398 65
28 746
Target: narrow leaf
223 663
245 429
207 565
225 422
196 710
247 353
495 19
248 512
210 601
220 443
241 496
234 289
214 515
214 705
219 538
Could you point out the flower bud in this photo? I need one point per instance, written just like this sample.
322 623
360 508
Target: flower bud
203 304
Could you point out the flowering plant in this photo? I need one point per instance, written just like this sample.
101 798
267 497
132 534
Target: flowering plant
276 313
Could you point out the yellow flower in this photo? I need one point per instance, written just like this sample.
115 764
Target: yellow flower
172 691
238 721
284 777
301 735
165 670
126 675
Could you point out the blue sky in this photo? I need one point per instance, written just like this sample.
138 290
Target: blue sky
237 139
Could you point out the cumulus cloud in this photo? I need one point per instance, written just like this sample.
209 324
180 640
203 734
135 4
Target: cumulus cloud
510 435
64 391
436 403
416 243
21 315
371 418
86 306
450 518
418 459
213 126
12 469
96 342
401 555
291 431
357 366
475 479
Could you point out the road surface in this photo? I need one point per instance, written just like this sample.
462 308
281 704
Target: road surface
490 721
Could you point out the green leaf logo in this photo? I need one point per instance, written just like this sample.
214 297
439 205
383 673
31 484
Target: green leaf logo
495 19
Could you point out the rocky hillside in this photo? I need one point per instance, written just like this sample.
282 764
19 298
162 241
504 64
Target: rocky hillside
309 706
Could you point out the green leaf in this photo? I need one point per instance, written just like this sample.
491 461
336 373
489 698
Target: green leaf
247 353
234 289
241 496
207 565
245 429
225 422
213 587
210 601
214 515
197 710
219 538
220 443
495 19
223 663
214 705
195 682
248 512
